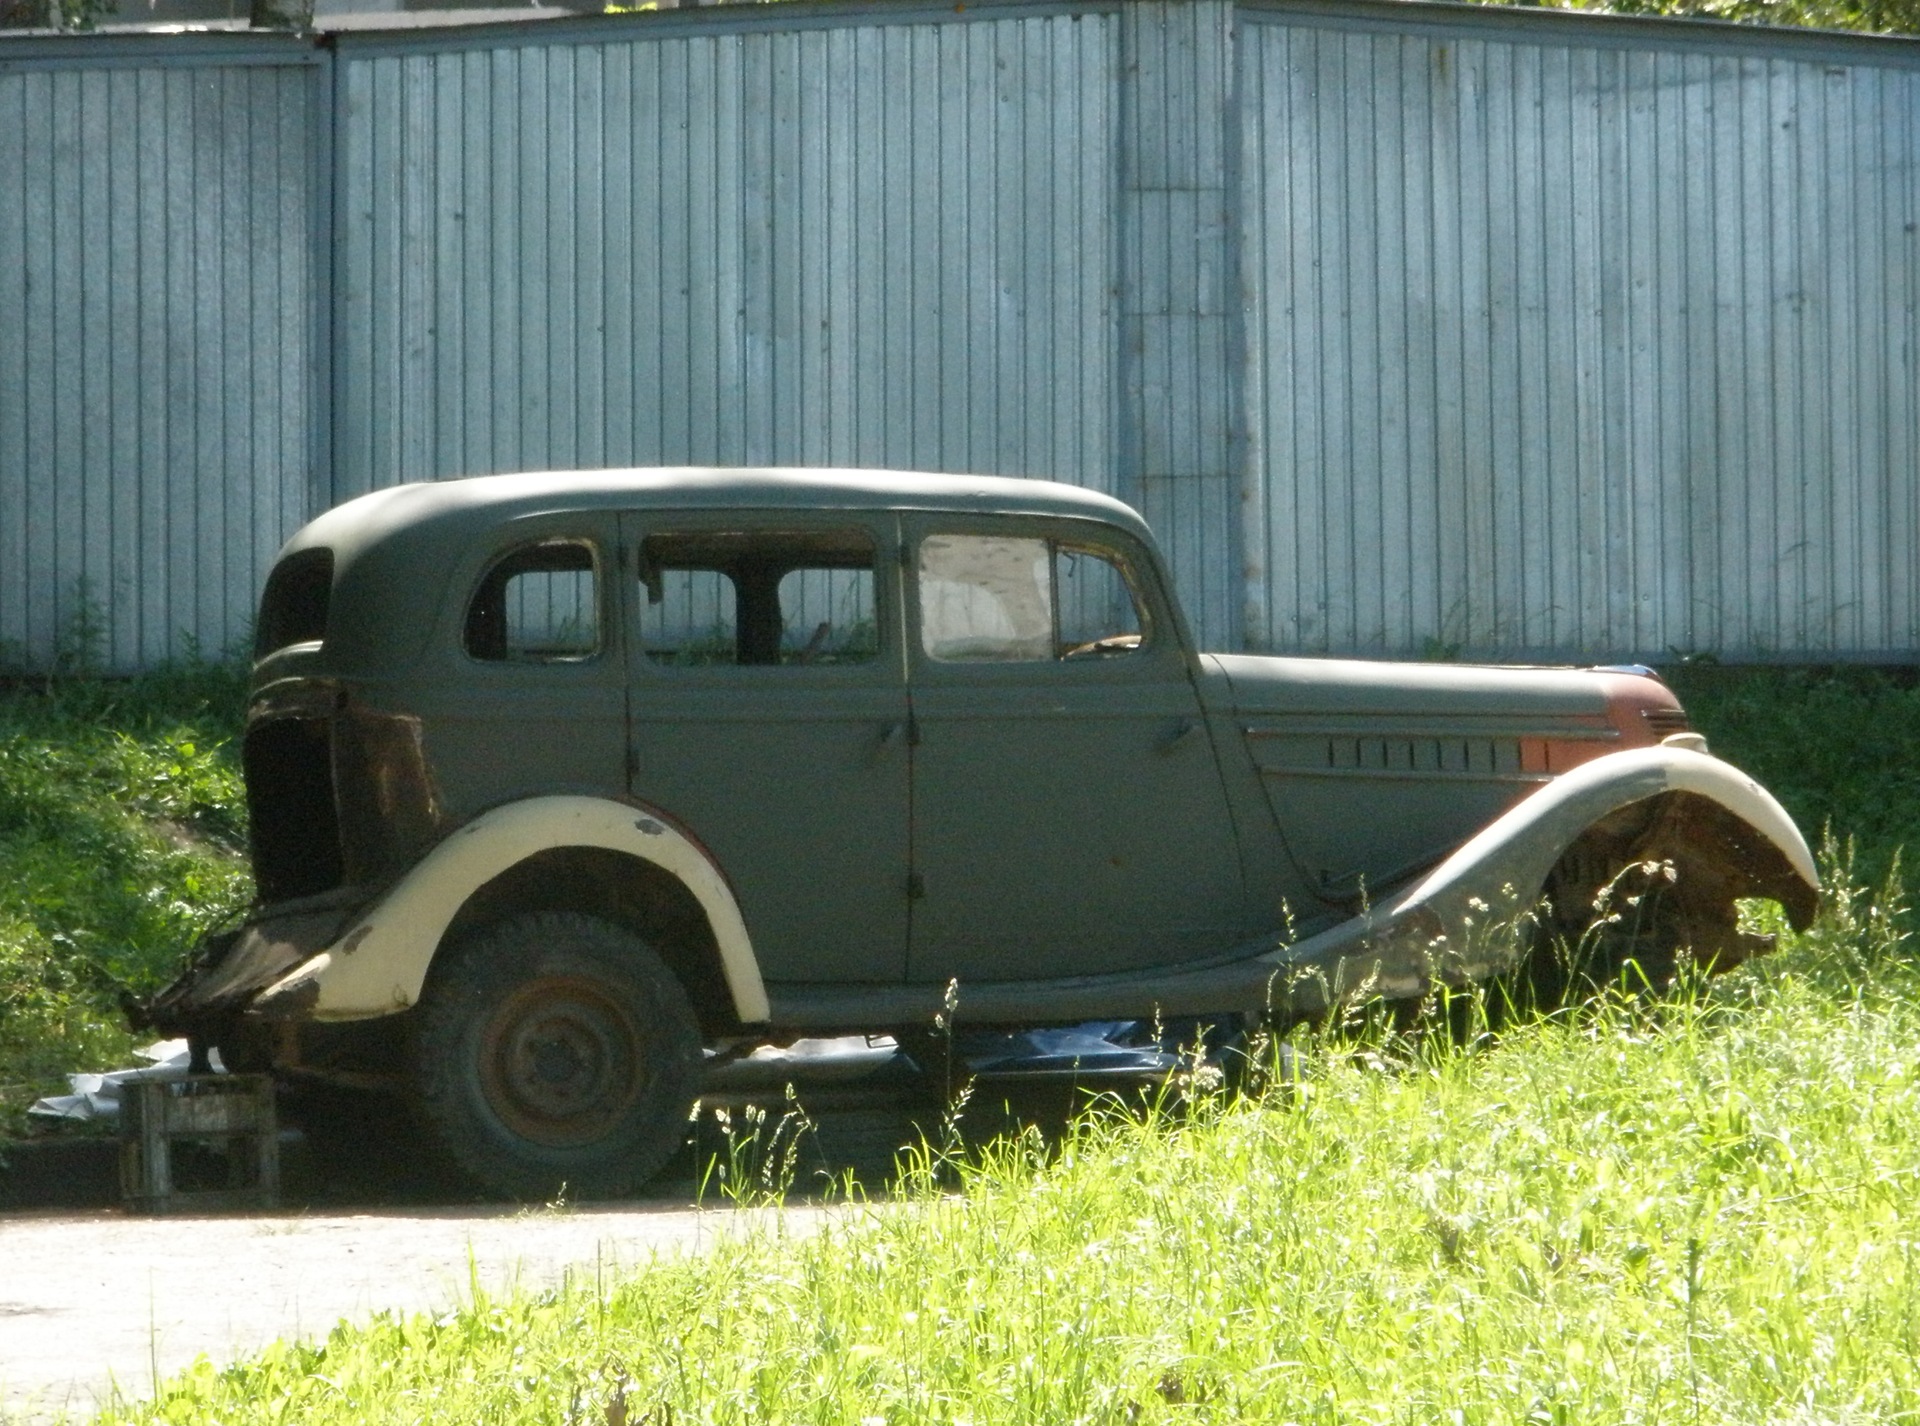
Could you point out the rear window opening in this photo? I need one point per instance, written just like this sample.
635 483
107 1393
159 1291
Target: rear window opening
538 604
296 829
293 610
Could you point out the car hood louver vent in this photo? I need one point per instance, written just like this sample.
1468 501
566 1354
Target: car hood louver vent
1666 721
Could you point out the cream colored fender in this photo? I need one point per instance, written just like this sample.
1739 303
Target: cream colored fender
1393 949
378 966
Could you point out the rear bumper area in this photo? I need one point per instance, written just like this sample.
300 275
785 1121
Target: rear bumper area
233 967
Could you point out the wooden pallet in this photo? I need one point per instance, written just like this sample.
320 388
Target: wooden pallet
204 1144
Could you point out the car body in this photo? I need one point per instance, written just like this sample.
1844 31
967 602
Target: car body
833 751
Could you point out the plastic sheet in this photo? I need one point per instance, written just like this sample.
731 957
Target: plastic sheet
96 1097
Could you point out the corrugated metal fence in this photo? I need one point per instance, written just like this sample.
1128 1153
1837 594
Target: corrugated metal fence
1570 345
1405 326
871 244
157 354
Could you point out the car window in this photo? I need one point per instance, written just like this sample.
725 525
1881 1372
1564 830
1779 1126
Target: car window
985 598
537 604
1099 615
1000 599
768 598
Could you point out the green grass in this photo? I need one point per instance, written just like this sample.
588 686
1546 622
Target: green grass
1704 1212
122 836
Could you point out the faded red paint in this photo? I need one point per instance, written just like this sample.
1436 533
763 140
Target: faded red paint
1640 712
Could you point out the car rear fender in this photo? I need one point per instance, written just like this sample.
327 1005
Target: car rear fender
1445 927
379 963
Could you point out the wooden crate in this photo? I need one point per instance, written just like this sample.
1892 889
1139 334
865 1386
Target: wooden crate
202 1144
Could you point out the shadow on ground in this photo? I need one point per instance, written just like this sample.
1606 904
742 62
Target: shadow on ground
813 1128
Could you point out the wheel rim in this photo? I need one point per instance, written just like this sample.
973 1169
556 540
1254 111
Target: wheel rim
561 1061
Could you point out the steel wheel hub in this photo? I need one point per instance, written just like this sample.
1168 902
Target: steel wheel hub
561 1061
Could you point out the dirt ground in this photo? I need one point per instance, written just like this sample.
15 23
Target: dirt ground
94 1301
98 1302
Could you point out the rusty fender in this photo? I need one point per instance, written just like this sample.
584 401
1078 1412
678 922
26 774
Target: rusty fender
1742 840
379 962
232 966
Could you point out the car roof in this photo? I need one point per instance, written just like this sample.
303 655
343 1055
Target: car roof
385 546
463 506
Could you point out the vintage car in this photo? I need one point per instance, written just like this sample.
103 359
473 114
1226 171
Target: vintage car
564 784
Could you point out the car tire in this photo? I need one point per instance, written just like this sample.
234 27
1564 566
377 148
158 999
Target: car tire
555 1055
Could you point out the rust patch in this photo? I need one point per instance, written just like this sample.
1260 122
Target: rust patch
1642 710
389 804
1705 859
1553 756
234 965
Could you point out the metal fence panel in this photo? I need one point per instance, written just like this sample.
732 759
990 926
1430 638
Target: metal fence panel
156 341
1410 329
1594 347
869 243
1178 356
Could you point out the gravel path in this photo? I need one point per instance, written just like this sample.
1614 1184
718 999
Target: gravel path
97 1301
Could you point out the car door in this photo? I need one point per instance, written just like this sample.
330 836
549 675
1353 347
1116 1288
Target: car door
768 715
1068 812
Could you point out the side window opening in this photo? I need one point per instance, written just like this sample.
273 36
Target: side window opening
537 604
293 609
767 598
1099 613
994 599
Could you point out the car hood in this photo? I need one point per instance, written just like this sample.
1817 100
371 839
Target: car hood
1294 687
1376 771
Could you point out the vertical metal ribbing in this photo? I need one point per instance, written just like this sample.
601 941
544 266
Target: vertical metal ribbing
859 244
1516 337
156 343
1577 349
1178 269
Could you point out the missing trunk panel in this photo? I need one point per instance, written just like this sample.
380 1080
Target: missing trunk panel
296 831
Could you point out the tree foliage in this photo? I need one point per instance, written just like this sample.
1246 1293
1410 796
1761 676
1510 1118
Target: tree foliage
1874 16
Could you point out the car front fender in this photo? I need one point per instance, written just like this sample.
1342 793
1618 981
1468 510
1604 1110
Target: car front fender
379 963
1445 927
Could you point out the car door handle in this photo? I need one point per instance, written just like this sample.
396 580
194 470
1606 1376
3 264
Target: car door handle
1179 735
892 734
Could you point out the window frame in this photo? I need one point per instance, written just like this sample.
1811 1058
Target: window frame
604 621
881 528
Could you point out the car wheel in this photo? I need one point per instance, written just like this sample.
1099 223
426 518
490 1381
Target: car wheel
555 1053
